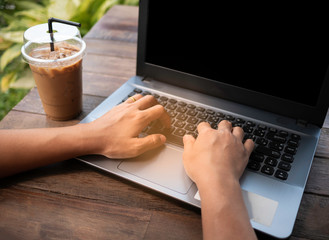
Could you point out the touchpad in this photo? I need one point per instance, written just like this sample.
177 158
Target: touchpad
163 166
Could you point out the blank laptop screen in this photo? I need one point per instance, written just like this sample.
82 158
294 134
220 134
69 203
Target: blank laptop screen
276 49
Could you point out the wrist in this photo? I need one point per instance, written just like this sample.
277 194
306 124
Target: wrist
222 186
87 143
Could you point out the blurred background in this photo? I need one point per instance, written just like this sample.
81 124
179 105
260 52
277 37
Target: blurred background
18 15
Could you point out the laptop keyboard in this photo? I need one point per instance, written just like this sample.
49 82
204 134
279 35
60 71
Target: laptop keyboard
274 150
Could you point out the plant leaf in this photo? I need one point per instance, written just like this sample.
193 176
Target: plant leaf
131 2
35 14
9 55
13 36
63 9
102 9
25 81
84 7
4 44
26 5
7 79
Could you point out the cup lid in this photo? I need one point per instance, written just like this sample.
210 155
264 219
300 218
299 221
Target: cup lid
40 33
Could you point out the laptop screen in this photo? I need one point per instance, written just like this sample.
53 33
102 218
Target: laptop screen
282 51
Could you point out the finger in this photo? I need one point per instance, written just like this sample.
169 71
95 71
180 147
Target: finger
224 125
134 98
188 141
249 146
238 132
146 102
149 142
157 112
203 126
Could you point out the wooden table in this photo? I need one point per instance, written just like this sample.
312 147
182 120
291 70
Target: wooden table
71 200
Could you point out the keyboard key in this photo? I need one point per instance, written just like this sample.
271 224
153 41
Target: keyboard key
146 93
259 132
214 125
276 146
191 112
281 174
290 150
251 124
292 143
202 116
229 118
262 141
272 130
172 114
179 124
295 137
200 109
284 166
156 95
271 161
182 117
163 98
283 133
210 112
172 101
213 119
262 127
253 165
192 120
167 131
180 132
276 138
181 109
219 114
182 104
239 120
248 129
267 170
250 136
137 90
287 157
132 94
257 157
268 152
171 107
190 127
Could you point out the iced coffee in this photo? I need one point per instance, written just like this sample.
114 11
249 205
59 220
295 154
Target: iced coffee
56 64
60 82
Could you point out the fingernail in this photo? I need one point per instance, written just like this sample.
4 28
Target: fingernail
163 138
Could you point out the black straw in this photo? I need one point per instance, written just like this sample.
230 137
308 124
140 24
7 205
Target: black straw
50 28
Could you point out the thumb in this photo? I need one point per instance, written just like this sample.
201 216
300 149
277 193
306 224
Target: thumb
188 141
149 142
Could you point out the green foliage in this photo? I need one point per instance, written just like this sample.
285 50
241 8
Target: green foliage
90 11
9 99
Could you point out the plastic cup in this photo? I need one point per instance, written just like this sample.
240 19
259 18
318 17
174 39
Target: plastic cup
58 73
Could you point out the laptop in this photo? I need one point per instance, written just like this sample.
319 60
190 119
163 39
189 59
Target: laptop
262 67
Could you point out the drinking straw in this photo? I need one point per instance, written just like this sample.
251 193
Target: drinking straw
50 28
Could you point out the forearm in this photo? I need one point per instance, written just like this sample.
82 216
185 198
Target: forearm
26 149
224 215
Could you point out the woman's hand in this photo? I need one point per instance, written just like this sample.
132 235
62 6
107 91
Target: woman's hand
116 133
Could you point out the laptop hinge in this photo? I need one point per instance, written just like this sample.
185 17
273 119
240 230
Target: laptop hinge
302 123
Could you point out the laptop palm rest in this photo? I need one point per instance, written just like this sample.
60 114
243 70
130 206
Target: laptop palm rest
163 166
